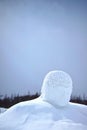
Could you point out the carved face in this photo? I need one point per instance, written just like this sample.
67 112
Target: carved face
57 88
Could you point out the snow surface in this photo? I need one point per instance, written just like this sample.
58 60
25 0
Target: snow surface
2 110
40 114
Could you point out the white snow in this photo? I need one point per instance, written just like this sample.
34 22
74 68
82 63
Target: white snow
2 110
57 88
40 114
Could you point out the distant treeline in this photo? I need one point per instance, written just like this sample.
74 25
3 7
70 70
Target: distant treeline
79 99
7 102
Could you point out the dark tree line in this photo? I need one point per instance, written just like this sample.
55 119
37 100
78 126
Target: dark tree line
80 100
7 102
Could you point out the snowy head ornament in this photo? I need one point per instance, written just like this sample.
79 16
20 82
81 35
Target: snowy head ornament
57 88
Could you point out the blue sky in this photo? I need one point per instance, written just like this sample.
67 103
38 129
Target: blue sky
37 36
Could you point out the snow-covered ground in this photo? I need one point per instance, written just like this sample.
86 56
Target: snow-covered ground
2 110
51 111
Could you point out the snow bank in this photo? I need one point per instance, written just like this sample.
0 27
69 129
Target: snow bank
57 88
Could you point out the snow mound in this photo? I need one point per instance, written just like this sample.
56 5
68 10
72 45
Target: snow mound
44 112
40 115
57 88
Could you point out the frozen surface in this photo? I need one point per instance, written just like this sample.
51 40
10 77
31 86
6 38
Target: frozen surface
2 110
40 115
57 88
43 114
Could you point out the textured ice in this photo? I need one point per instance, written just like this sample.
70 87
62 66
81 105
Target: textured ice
57 88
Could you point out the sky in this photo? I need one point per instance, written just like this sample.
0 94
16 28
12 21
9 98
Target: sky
37 36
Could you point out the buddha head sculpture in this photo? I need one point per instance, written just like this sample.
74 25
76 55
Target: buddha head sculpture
57 88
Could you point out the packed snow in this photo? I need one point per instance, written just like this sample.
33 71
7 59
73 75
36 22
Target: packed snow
57 88
51 111
2 110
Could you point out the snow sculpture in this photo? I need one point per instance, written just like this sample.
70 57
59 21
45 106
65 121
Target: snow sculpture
57 88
